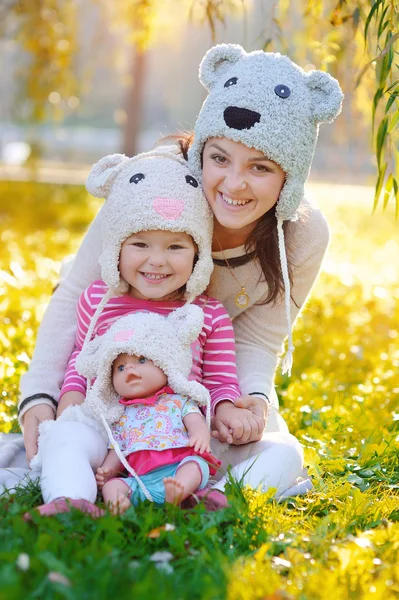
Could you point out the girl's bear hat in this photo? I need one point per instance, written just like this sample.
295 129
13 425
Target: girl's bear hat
153 190
267 102
164 340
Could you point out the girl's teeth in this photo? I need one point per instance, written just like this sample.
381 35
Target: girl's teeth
149 276
234 202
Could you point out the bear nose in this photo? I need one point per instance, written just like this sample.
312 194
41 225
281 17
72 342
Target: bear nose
240 118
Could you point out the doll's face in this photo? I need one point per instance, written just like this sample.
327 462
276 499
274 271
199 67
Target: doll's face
136 377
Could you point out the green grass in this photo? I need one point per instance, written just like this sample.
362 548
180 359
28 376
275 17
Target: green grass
340 541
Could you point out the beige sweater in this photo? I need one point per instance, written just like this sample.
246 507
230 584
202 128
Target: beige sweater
260 330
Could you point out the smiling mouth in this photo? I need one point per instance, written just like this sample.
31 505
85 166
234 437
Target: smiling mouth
230 202
154 277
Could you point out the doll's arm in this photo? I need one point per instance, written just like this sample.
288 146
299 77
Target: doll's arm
199 435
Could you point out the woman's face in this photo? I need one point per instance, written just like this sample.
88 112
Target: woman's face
240 183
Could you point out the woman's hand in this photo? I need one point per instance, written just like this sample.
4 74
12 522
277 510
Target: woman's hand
32 419
240 422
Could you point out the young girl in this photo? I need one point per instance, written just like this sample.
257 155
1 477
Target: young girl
142 364
154 258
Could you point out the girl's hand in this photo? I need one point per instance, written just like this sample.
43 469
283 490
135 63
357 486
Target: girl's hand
200 441
236 425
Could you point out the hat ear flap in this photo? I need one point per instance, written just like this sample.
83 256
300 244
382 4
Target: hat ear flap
87 361
102 175
217 61
187 322
326 96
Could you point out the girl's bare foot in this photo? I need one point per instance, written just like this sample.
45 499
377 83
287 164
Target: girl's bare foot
174 491
119 506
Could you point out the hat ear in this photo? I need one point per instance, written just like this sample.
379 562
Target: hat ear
217 61
102 175
187 321
87 361
326 96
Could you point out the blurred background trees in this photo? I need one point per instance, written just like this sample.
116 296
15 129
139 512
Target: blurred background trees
80 79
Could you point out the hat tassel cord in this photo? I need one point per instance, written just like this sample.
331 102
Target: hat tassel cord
124 461
286 364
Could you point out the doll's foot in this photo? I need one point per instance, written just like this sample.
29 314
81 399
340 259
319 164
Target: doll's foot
64 505
212 499
119 506
174 491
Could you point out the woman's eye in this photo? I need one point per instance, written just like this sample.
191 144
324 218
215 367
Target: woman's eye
260 169
191 181
121 368
230 82
219 159
136 178
142 360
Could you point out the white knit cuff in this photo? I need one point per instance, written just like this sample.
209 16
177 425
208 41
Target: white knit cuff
29 405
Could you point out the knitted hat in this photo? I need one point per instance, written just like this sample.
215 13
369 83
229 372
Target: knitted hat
151 191
266 102
164 340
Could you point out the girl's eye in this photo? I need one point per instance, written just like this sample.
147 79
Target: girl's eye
121 368
175 247
142 360
190 180
139 245
136 178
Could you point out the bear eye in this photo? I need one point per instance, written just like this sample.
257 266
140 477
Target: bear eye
283 91
192 181
136 178
230 82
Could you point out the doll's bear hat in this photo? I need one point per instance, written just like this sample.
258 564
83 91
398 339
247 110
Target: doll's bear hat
164 340
267 102
153 190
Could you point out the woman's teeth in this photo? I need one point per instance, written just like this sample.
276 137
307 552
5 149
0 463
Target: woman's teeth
234 202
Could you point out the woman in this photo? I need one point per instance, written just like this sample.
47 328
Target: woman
253 145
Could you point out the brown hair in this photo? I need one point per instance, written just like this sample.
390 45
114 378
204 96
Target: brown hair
263 240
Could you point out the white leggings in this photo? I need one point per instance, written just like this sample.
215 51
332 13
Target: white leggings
71 453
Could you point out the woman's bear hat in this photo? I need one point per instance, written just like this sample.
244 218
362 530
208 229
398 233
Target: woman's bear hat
267 102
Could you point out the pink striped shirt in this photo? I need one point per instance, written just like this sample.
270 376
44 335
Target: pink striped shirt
214 361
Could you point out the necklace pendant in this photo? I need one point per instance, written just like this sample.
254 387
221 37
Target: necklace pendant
242 298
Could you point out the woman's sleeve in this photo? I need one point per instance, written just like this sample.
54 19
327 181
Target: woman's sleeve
260 331
42 382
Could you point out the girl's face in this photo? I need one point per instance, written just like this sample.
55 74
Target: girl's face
136 377
240 183
156 263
